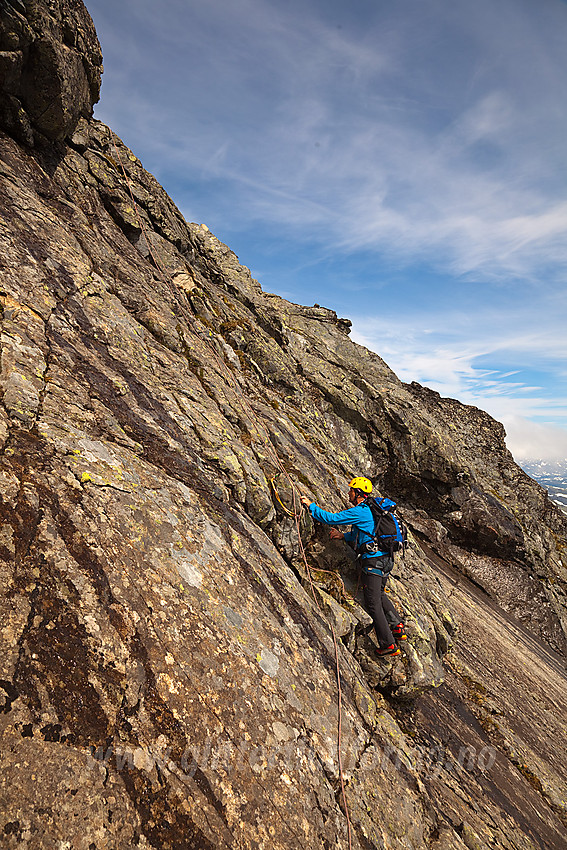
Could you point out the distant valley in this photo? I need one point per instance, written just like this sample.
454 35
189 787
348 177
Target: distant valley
552 475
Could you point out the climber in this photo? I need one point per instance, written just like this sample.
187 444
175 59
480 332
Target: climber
376 567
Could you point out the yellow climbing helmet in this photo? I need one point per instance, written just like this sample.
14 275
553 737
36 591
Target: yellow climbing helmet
361 484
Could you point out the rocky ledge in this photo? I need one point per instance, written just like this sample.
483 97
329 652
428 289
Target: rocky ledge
169 660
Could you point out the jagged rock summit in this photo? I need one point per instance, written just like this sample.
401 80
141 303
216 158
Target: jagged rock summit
50 66
168 672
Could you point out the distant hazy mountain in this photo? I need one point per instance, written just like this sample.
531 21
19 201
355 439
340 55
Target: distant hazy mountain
552 475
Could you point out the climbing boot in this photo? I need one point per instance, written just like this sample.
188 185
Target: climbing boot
399 632
387 651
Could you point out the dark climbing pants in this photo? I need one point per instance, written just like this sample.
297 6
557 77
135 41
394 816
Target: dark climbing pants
379 607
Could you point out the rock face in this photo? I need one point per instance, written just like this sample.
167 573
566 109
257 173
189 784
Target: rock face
168 670
50 67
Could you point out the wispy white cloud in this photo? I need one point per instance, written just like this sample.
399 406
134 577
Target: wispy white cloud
454 364
530 440
356 135
418 132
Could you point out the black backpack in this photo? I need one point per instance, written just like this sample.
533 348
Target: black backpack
390 532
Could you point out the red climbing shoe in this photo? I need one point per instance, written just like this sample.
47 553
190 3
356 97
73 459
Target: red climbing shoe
399 632
388 651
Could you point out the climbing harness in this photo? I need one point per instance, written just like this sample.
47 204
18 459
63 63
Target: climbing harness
296 513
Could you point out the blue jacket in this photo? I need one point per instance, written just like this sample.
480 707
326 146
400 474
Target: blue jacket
358 517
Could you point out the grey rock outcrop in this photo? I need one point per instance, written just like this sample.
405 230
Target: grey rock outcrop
50 68
168 674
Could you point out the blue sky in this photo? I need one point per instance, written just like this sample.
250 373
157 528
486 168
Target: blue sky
403 162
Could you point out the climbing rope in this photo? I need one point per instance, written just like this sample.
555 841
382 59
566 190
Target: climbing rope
296 513
272 481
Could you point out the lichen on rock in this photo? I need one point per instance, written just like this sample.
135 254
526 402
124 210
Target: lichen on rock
169 660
